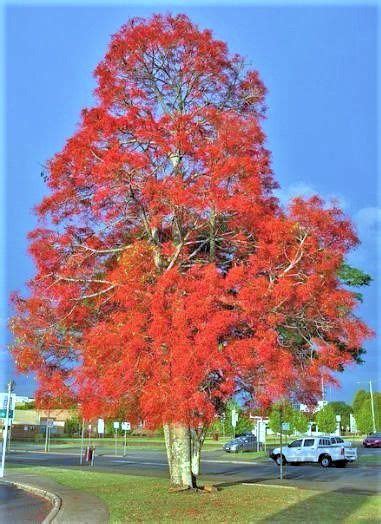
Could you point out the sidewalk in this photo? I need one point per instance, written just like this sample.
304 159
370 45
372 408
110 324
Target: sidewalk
71 505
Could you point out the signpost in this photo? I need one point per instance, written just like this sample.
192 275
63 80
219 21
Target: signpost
116 427
126 426
48 427
260 432
284 426
7 406
234 419
3 413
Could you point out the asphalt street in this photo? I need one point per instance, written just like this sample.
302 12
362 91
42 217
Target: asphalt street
18 506
354 478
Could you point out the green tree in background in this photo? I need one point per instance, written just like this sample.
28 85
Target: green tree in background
26 405
363 413
364 419
342 409
281 412
72 426
362 410
360 396
299 421
326 419
223 426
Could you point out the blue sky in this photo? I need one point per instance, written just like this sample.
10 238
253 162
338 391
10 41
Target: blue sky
319 64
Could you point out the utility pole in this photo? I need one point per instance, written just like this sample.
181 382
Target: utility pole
281 442
82 441
372 404
322 389
5 434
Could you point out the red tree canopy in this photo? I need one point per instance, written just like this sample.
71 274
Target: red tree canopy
168 277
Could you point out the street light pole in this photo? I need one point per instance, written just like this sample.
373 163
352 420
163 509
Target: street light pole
372 404
82 441
281 442
5 435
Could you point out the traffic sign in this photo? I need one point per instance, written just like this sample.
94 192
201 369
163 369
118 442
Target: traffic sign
116 425
4 401
3 413
126 426
101 426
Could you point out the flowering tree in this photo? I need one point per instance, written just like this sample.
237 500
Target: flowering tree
168 277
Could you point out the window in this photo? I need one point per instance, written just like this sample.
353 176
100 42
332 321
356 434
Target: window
309 442
295 444
340 441
324 442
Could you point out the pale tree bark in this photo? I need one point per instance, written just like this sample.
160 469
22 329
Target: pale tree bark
197 440
178 446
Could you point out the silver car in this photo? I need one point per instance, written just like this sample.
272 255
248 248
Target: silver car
245 443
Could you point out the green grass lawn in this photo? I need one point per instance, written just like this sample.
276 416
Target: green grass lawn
370 459
144 499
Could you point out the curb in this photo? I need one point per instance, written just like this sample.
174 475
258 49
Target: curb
54 499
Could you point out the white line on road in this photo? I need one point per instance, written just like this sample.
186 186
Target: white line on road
202 462
140 463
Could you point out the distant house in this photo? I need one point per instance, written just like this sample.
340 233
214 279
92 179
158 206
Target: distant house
28 423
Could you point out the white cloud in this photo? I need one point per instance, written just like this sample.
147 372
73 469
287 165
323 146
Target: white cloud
302 189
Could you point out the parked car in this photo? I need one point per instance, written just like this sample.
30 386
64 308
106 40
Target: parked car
247 442
245 434
320 450
373 440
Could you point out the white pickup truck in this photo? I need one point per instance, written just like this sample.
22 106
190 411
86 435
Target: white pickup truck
323 449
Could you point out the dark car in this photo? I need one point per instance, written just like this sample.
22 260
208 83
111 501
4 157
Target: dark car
247 442
373 440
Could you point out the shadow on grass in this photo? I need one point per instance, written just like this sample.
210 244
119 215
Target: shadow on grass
327 507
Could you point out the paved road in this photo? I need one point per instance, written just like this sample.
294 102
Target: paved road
18 506
365 479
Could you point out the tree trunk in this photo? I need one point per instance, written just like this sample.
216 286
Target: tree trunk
178 445
196 444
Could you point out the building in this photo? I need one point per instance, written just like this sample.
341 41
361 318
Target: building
29 424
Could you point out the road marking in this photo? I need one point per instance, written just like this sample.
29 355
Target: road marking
143 463
47 453
31 458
